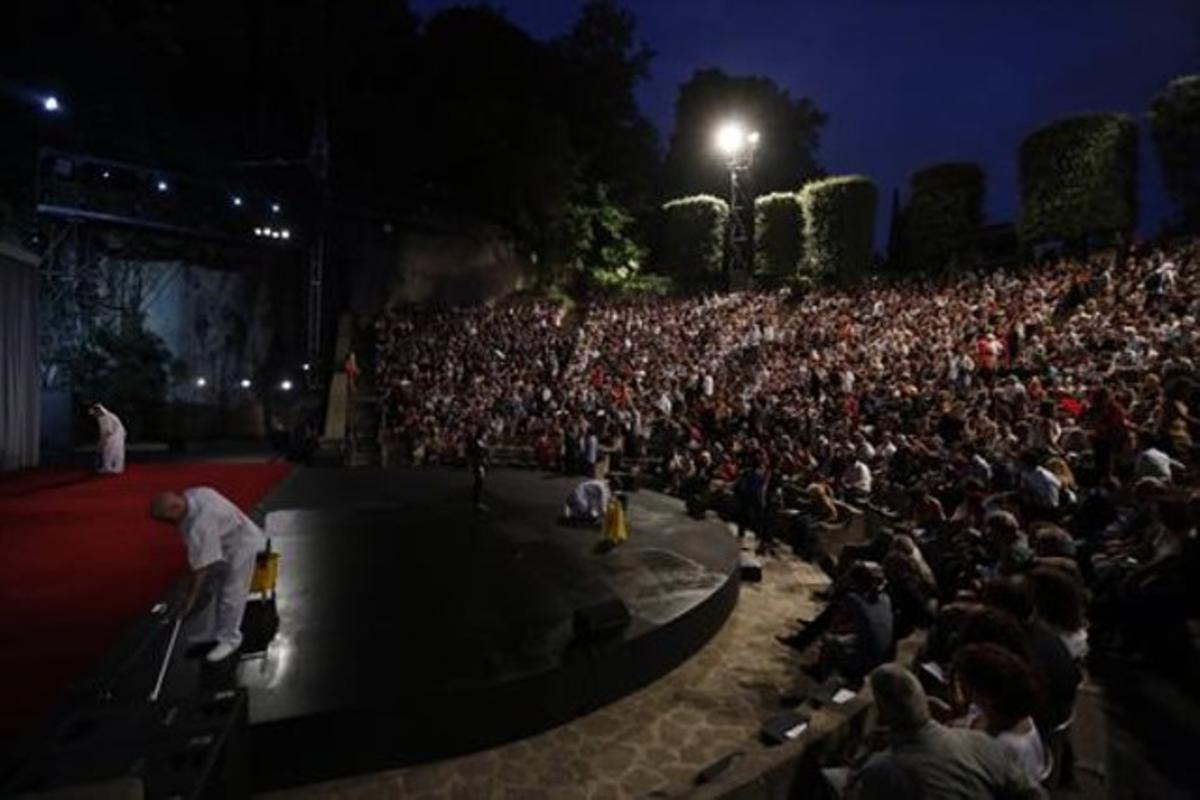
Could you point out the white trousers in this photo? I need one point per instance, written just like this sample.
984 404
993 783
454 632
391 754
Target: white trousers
221 618
112 454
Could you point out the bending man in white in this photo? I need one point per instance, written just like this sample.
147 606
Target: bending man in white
221 545
111 444
587 501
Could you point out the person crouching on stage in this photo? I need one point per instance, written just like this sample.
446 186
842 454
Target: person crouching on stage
221 543
110 446
587 502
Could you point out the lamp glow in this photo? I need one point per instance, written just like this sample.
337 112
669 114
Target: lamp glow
286 386
276 208
285 233
246 383
201 382
50 103
162 186
731 138
237 201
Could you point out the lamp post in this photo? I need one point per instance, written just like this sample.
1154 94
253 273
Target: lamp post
737 146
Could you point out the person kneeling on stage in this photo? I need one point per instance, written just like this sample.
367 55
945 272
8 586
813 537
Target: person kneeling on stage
110 446
587 502
222 543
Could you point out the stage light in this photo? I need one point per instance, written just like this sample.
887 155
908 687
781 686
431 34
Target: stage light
274 234
163 186
258 231
731 138
237 201
285 233
50 103
276 208
201 382
286 386
246 383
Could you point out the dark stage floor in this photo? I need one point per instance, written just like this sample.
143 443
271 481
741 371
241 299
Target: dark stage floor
412 627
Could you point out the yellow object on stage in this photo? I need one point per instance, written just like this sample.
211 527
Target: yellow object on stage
266 571
615 529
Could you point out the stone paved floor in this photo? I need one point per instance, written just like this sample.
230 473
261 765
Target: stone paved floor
652 741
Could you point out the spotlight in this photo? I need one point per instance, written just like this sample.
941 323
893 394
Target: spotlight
50 103
276 208
286 386
237 201
306 366
258 231
731 138
201 382
246 383
106 175
162 186
285 233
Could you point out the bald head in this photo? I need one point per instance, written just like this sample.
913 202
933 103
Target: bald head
170 507
899 698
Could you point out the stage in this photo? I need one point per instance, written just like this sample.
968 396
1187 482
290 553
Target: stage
412 627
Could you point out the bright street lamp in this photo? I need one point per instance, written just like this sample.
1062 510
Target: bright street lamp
50 103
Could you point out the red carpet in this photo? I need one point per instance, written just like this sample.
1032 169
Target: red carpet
80 559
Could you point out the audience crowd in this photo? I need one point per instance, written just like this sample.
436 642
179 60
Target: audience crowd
1027 436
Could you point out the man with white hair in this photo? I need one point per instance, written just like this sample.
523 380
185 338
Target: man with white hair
110 447
927 760
221 543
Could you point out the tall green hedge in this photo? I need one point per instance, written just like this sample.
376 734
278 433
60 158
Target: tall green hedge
1078 177
945 206
1175 125
778 235
839 226
693 240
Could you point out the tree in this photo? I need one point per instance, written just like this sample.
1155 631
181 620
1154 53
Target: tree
790 131
839 227
593 242
601 64
945 206
693 237
1175 125
1079 177
778 235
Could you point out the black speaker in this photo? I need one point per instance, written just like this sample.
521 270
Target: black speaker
601 620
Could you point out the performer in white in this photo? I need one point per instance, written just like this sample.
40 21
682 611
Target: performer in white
587 501
111 444
221 545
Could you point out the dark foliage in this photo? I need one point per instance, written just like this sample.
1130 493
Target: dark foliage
839 227
1175 125
1079 177
945 207
693 238
778 236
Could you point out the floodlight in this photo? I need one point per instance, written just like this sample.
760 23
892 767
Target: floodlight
246 383
162 186
286 386
201 382
752 138
50 103
237 201
276 208
731 138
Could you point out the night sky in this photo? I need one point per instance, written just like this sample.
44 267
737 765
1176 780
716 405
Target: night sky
907 82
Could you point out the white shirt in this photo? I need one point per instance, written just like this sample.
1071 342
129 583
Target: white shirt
1043 485
858 476
214 529
109 424
1154 463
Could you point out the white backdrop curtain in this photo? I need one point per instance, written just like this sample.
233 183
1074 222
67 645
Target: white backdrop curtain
19 378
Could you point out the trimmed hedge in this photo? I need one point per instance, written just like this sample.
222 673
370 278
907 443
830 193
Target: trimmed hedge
778 235
1078 177
945 206
693 242
839 226
1175 125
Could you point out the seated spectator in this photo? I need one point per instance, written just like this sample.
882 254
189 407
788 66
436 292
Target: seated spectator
925 760
1000 693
